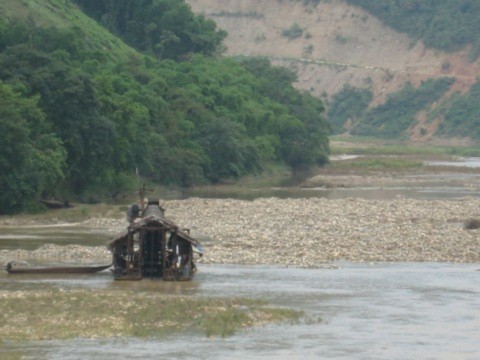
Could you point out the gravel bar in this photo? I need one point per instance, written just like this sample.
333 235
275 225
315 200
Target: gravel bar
310 232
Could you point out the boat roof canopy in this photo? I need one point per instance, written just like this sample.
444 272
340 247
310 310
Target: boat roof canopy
155 219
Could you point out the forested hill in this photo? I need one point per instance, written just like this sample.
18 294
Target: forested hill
447 25
93 93
403 69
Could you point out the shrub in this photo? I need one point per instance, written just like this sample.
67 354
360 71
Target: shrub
293 32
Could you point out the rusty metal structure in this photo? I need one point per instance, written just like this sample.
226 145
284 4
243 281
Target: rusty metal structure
153 246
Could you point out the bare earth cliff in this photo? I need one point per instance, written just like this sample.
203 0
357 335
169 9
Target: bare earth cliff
340 44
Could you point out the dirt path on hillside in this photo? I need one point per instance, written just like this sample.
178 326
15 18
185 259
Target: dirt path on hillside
340 44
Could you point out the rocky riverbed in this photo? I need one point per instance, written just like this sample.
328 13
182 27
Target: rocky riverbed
307 232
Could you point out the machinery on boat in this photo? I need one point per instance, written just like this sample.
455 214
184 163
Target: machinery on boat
152 246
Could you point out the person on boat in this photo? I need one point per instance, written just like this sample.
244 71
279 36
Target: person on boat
132 213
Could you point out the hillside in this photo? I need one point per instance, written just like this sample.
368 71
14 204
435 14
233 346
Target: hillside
338 44
89 108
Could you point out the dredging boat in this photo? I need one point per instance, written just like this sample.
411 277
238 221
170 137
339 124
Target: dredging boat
152 246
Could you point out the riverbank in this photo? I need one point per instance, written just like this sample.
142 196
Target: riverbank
305 232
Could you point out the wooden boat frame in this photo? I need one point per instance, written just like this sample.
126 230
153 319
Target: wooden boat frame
56 269
153 247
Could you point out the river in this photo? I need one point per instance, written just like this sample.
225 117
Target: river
352 311
449 183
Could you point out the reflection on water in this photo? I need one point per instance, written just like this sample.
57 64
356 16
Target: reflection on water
431 186
394 311
31 238
468 162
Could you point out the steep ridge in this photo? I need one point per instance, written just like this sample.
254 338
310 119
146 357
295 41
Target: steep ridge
338 44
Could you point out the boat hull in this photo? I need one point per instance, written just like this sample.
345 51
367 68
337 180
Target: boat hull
57 269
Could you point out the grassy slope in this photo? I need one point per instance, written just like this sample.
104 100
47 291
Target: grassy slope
64 14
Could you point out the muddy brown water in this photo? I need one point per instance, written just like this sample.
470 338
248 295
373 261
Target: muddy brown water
352 311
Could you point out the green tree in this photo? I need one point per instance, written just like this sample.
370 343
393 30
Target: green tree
299 123
393 118
231 153
348 104
32 159
164 28
461 117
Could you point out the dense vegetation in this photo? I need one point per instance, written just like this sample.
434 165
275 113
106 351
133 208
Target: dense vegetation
81 113
447 25
397 114
348 106
388 120
32 158
166 29
462 116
